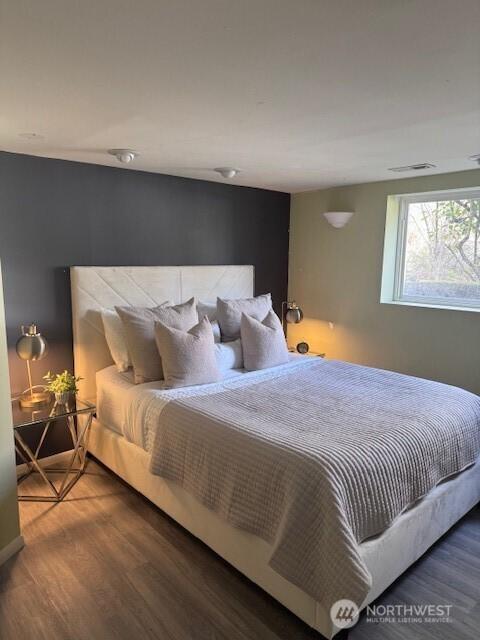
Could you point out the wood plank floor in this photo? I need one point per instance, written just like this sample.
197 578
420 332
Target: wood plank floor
106 564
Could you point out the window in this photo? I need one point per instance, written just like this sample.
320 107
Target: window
436 257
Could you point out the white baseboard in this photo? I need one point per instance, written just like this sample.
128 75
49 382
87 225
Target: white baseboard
11 549
48 460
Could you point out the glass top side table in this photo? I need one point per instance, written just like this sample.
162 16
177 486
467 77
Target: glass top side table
78 415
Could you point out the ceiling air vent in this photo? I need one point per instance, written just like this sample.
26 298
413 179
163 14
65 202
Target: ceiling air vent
413 167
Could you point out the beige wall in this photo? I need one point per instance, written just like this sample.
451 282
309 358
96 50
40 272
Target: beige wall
335 276
9 526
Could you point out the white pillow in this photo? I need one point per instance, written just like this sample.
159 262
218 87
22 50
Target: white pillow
229 355
188 357
229 313
139 327
116 339
217 334
263 342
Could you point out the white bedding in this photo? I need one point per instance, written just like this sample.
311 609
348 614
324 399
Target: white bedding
132 410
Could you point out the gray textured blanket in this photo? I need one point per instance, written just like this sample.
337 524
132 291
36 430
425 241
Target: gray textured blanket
317 460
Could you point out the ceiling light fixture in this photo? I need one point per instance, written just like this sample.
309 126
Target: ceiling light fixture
227 172
413 167
338 219
475 158
125 156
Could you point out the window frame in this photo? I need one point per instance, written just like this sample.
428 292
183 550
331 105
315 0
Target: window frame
403 202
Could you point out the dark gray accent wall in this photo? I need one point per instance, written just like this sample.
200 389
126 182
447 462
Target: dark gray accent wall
54 214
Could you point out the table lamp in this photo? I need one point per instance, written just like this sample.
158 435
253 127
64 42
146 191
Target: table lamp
32 346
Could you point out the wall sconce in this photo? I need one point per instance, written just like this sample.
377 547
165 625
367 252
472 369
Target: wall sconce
32 346
291 314
338 219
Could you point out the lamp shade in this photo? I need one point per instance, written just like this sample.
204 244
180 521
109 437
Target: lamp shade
293 314
338 219
31 345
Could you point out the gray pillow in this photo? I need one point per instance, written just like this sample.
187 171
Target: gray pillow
263 342
207 309
188 357
229 313
139 323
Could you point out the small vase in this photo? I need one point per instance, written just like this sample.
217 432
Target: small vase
63 397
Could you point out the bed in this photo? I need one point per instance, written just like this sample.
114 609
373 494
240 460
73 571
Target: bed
125 434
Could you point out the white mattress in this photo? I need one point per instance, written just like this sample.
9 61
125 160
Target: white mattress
132 410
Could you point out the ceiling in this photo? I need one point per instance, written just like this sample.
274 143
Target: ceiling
298 94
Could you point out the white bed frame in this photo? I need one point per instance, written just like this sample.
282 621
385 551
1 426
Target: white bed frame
386 556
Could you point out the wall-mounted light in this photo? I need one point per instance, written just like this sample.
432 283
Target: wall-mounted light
291 314
338 219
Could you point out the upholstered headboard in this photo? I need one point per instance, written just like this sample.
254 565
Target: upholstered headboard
97 288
